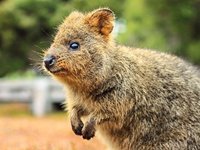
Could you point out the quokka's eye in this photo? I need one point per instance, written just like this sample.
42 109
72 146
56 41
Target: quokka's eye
74 46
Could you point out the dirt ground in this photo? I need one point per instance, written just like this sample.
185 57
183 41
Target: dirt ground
53 132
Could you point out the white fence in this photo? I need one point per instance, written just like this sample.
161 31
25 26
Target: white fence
40 93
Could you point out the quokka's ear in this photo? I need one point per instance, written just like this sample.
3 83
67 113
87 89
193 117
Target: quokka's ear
101 20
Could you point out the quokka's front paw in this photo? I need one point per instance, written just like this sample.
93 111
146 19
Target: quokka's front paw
88 130
77 126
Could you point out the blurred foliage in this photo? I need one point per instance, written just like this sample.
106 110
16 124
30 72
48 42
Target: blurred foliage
26 26
27 74
166 25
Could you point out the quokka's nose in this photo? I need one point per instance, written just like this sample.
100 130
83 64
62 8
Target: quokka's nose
49 61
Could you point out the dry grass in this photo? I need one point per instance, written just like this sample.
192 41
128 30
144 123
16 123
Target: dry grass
19 131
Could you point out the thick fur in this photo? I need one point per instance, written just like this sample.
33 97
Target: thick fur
135 98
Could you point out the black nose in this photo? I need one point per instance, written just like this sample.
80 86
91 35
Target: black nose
49 61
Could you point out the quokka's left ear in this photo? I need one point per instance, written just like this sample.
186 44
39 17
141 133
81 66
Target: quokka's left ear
101 20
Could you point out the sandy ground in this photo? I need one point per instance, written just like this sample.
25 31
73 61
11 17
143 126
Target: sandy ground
47 133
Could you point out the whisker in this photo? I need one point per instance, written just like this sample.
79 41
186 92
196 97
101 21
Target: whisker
47 34
37 62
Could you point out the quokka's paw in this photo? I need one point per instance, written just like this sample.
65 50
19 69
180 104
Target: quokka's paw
88 130
77 126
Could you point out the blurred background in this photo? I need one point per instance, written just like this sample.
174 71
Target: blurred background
31 104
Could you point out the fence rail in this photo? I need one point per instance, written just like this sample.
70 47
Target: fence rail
40 93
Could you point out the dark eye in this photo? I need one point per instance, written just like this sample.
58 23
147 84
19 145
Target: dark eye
74 46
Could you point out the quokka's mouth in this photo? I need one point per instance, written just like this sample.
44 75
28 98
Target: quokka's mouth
56 71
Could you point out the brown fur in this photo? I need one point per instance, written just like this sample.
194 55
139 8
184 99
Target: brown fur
135 98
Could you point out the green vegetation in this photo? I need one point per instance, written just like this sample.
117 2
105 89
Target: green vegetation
27 26
14 110
23 110
28 74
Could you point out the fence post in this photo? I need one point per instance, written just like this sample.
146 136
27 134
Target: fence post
41 103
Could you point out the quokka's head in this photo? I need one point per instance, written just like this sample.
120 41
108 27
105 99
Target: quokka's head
79 49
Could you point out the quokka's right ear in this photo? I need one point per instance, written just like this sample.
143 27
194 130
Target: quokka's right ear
101 20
